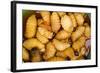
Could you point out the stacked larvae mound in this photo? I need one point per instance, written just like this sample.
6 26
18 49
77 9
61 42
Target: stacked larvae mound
56 36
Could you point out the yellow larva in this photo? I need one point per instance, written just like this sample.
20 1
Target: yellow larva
25 54
68 52
62 35
77 45
31 25
87 31
60 45
34 43
55 22
66 23
79 31
79 18
44 32
50 51
41 38
73 19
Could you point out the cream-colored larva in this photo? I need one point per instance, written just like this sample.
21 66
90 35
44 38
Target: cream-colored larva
50 51
66 23
68 52
62 35
31 26
79 18
77 45
41 38
79 31
74 22
44 32
87 31
55 22
25 54
34 43
60 45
